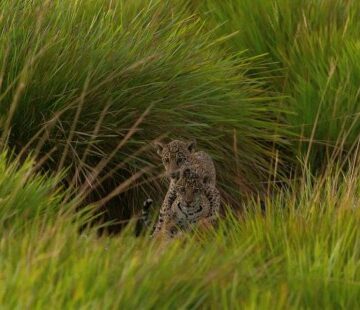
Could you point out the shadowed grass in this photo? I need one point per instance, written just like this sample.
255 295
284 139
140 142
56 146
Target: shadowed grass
85 72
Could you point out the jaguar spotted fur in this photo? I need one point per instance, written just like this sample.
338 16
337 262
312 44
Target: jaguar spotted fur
178 154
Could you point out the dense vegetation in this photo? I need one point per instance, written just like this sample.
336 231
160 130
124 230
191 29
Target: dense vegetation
269 88
303 252
313 55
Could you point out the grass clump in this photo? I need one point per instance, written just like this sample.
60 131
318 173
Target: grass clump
93 82
25 197
311 48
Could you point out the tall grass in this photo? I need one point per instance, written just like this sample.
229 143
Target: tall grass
94 82
26 198
86 86
303 252
312 51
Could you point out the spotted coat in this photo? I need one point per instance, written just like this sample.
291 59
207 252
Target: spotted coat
191 205
176 155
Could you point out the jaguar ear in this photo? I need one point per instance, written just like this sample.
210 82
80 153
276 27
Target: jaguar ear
191 146
159 146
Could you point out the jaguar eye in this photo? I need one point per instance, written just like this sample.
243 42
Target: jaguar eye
180 161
